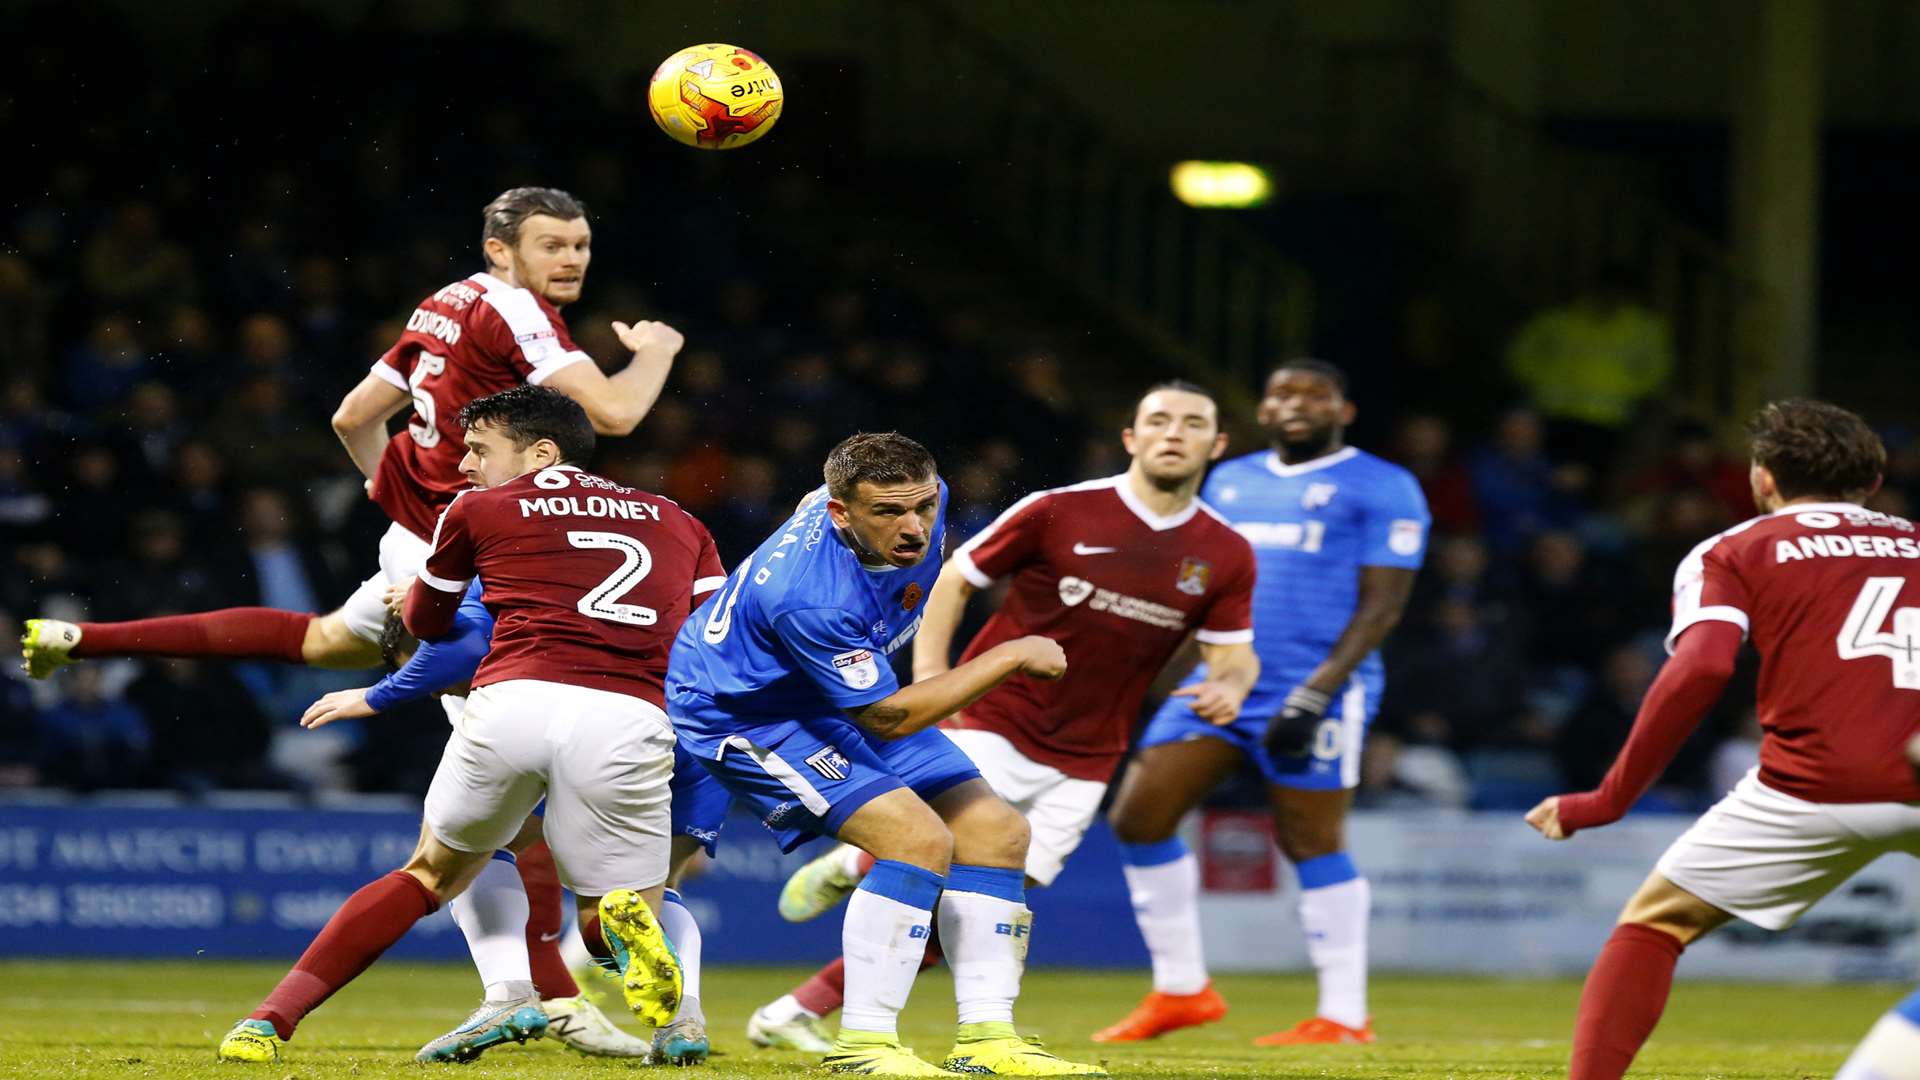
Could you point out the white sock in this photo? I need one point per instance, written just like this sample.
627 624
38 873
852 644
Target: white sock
492 913
1166 904
985 938
678 924
573 948
1891 1051
1335 920
889 918
847 860
787 1010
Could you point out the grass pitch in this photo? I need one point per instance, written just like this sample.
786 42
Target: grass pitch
71 1020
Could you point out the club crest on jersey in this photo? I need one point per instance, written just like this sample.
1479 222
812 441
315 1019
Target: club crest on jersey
911 598
831 763
1074 591
1404 536
1194 577
857 668
1317 496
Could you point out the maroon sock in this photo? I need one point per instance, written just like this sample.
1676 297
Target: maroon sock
596 941
550 974
370 921
1626 992
246 633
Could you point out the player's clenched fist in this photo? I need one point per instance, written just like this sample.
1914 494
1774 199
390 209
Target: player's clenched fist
1546 818
654 338
1040 657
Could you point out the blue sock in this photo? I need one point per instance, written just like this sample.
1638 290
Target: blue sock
1325 870
1158 854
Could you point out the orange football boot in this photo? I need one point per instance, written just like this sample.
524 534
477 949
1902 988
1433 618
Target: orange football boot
1319 1031
1160 1013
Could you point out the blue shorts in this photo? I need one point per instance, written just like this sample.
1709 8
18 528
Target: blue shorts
1332 764
700 803
812 775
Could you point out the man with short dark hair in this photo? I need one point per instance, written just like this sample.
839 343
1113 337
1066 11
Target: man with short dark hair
1338 535
588 580
780 686
1828 594
1121 571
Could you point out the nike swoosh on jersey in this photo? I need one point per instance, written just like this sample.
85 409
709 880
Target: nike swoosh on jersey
555 936
1082 549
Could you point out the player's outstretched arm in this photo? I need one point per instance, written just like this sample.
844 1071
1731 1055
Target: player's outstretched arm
617 403
1231 673
946 605
923 704
361 421
1687 686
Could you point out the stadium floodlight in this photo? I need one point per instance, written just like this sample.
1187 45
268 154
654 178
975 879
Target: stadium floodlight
1232 185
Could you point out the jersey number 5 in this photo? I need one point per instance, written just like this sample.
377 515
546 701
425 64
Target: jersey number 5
427 431
1863 636
603 600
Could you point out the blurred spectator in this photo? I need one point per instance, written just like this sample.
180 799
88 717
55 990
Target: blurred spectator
285 574
1575 607
207 731
1736 756
163 573
105 368
1396 775
92 741
155 427
1424 445
132 264
1696 462
1460 677
267 440
1587 365
1518 489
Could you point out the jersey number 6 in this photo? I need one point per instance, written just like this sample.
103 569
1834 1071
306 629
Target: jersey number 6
636 562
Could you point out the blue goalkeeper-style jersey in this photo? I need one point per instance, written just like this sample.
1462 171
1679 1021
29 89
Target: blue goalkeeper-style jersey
1313 526
436 665
801 630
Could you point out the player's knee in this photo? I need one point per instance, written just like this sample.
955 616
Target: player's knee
927 843
1133 826
1304 843
994 834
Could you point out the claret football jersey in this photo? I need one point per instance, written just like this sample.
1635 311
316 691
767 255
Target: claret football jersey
477 336
1829 595
1120 588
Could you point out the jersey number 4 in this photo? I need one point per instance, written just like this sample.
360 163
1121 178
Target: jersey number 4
1866 634
603 600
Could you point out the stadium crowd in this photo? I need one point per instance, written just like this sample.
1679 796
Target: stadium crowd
177 331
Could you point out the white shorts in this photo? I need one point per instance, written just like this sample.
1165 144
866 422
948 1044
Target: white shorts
1058 807
402 555
603 761
1767 856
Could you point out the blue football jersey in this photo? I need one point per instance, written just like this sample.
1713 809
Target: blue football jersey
801 629
1312 527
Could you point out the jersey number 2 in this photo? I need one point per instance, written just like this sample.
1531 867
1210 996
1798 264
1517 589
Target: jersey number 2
603 600
1863 636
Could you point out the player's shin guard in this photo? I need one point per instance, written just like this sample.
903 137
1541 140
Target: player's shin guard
1163 881
678 924
889 918
250 633
1335 904
492 914
1891 1051
546 923
365 926
984 928
1625 994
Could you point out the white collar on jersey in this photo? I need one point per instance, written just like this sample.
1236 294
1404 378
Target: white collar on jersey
1829 507
487 281
1281 468
1140 510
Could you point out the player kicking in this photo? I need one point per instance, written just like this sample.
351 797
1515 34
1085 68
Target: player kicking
476 336
699 811
1338 536
1118 571
779 685
1829 595
588 581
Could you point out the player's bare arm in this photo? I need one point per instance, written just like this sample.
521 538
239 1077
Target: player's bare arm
921 705
1231 672
617 403
361 421
946 606
1381 600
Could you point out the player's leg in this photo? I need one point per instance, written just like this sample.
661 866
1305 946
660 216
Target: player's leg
1162 784
1334 907
684 1040
608 821
1891 1051
366 925
1759 855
